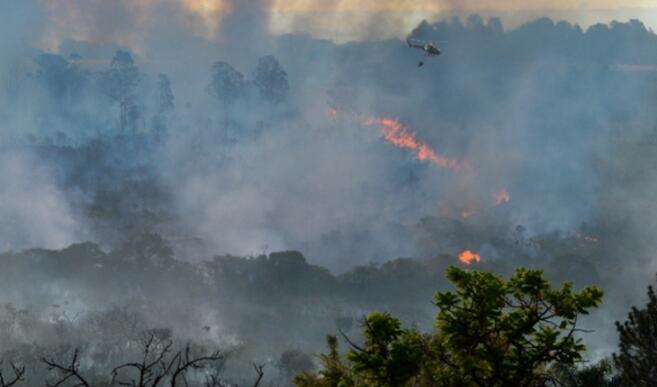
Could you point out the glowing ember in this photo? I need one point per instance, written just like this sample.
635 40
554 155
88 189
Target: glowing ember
467 257
397 134
502 197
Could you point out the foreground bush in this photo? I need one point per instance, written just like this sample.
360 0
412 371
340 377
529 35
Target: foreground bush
489 332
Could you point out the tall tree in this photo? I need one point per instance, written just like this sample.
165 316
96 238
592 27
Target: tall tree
227 85
62 79
165 103
271 80
637 357
120 83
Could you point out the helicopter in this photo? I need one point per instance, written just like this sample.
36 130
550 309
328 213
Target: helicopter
430 49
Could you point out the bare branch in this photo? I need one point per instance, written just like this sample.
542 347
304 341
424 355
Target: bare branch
18 375
259 370
66 372
356 347
187 362
158 364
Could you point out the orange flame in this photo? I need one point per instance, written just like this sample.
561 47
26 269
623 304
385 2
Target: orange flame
502 197
467 257
397 134
468 214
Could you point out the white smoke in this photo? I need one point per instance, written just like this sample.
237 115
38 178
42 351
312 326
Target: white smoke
33 211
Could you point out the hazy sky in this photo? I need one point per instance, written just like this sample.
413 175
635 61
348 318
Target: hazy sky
125 21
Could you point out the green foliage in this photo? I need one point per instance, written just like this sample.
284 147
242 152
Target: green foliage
497 333
333 374
600 374
391 355
271 80
227 84
637 359
120 82
489 332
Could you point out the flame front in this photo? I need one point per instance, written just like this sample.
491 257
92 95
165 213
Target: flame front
397 134
468 257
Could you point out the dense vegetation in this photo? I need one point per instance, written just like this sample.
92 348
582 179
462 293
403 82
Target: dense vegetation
487 332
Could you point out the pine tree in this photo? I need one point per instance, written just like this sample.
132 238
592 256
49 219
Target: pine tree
637 357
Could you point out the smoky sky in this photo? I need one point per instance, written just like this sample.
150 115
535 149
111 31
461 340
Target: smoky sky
130 22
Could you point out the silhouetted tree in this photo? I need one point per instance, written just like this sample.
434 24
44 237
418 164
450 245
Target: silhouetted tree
637 356
165 95
165 103
227 85
61 78
271 80
120 83
66 372
159 364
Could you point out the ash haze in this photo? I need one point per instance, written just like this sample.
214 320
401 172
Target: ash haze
251 175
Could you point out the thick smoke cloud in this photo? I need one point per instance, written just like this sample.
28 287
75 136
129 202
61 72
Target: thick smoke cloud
295 188
34 212
23 21
339 20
